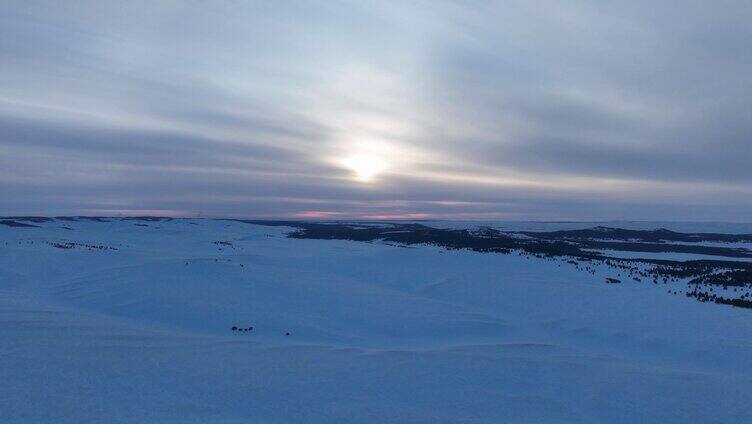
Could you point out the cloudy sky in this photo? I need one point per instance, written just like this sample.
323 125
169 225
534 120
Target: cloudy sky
545 110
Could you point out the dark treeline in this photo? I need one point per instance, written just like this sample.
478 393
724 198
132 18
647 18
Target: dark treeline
718 272
656 236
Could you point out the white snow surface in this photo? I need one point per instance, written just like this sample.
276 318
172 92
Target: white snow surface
672 256
378 333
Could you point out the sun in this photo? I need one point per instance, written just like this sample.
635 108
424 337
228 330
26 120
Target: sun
365 167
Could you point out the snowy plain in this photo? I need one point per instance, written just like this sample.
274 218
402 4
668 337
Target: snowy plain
133 324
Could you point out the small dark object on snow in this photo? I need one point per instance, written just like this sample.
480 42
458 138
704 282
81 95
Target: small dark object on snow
287 334
612 281
234 328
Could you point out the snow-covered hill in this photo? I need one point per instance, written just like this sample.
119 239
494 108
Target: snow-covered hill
131 321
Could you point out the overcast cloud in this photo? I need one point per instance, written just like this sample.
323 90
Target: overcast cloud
470 110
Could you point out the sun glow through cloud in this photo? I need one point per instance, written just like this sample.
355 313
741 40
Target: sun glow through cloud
365 167
366 160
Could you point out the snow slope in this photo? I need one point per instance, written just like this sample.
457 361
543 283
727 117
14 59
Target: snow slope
378 333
